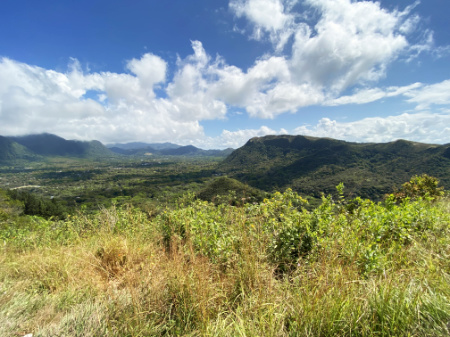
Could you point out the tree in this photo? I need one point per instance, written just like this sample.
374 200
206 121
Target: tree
423 186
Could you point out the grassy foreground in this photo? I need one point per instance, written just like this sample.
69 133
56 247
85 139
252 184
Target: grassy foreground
346 268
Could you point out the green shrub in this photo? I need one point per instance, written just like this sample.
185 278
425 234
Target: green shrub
34 205
423 186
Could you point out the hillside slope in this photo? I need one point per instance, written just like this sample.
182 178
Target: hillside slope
52 145
11 150
313 165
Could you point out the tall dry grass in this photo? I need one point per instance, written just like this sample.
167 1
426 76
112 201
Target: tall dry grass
115 274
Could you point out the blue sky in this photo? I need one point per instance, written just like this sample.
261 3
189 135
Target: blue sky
216 73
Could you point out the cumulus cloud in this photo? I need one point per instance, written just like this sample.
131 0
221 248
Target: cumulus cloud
422 127
350 44
254 89
269 17
149 69
189 92
236 139
203 87
34 100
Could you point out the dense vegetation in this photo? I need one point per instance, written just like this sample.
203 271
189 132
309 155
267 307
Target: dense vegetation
51 145
311 165
159 245
349 267
93 184
307 165
10 151
36 205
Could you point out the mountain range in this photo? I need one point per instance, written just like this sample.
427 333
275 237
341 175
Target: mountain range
311 165
140 145
166 149
11 150
39 146
308 165
36 147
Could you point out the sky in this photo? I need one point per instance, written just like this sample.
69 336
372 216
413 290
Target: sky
217 73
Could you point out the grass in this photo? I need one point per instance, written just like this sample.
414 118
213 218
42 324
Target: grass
205 270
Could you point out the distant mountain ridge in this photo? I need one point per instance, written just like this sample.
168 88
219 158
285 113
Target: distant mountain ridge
39 146
11 150
165 149
310 165
140 145
42 145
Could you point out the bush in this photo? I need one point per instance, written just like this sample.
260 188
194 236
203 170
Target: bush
423 186
35 205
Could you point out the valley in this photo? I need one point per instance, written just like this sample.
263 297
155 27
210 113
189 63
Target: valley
90 174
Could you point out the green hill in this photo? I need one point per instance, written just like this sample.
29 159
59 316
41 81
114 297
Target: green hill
313 165
11 150
228 190
52 145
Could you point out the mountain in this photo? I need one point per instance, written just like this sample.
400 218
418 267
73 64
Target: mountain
166 149
51 145
42 145
143 151
139 145
312 165
11 150
190 150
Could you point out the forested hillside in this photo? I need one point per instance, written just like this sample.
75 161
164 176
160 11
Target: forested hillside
51 145
313 165
10 151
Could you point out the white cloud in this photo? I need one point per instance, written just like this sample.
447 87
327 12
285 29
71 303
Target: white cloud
268 14
189 94
283 97
150 70
421 127
269 17
351 42
256 90
434 94
236 139
34 100
363 96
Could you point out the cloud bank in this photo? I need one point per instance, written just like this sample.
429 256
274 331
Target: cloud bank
422 127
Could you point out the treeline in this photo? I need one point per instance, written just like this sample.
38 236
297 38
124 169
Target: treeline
40 206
